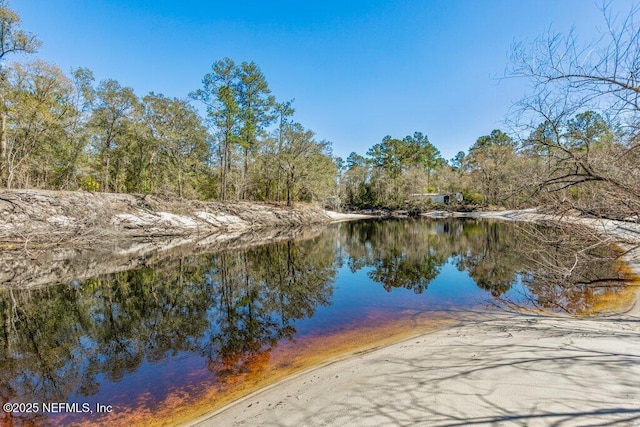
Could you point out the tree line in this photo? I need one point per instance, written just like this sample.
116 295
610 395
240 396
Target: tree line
572 143
67 131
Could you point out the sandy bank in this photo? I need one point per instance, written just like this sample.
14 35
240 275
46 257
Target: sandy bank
492 369
340 217
505 369
29 217
56 236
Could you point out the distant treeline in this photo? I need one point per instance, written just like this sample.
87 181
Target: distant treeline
573 141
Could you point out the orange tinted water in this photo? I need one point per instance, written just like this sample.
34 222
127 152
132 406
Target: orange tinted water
273 366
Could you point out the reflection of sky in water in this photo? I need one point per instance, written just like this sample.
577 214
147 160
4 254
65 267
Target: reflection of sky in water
518 293
358 299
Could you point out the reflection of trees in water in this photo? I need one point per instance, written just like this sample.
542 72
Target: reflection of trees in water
259 294
410 253
36 353
401 254
489 255
561 268
61 341
231 308
567 268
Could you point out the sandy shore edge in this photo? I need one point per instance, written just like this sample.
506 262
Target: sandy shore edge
490 369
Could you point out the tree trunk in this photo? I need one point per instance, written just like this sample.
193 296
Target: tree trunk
278 179
105 177
227 169
245 173
3 149
290 177
223 172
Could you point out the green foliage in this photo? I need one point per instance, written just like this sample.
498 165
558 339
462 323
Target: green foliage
39 113
68 133
177 144
588 129
89 183
115 132
392 170
14 40
59 131
306 164
472 197
491 160
220 96
497 138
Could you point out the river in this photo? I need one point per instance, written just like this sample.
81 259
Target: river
169 341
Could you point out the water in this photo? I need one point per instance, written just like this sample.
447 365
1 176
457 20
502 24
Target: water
155 341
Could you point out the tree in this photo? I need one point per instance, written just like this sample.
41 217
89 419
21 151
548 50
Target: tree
389 155
388 161
570 77
255 111
401 167
422 154
307 164
575 153
40 111
264 171
219 94
74 156
284 111
112 125
180 150
267 177
12 40
356 185
457 161
490 158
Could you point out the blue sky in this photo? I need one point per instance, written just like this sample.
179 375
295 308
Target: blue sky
358 70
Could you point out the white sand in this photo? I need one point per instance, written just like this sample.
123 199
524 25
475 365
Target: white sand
339 216
504 370
501 369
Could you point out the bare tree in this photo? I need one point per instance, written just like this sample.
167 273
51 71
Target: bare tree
583 115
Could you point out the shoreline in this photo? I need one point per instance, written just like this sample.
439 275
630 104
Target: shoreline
493 368
58 236
499 368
